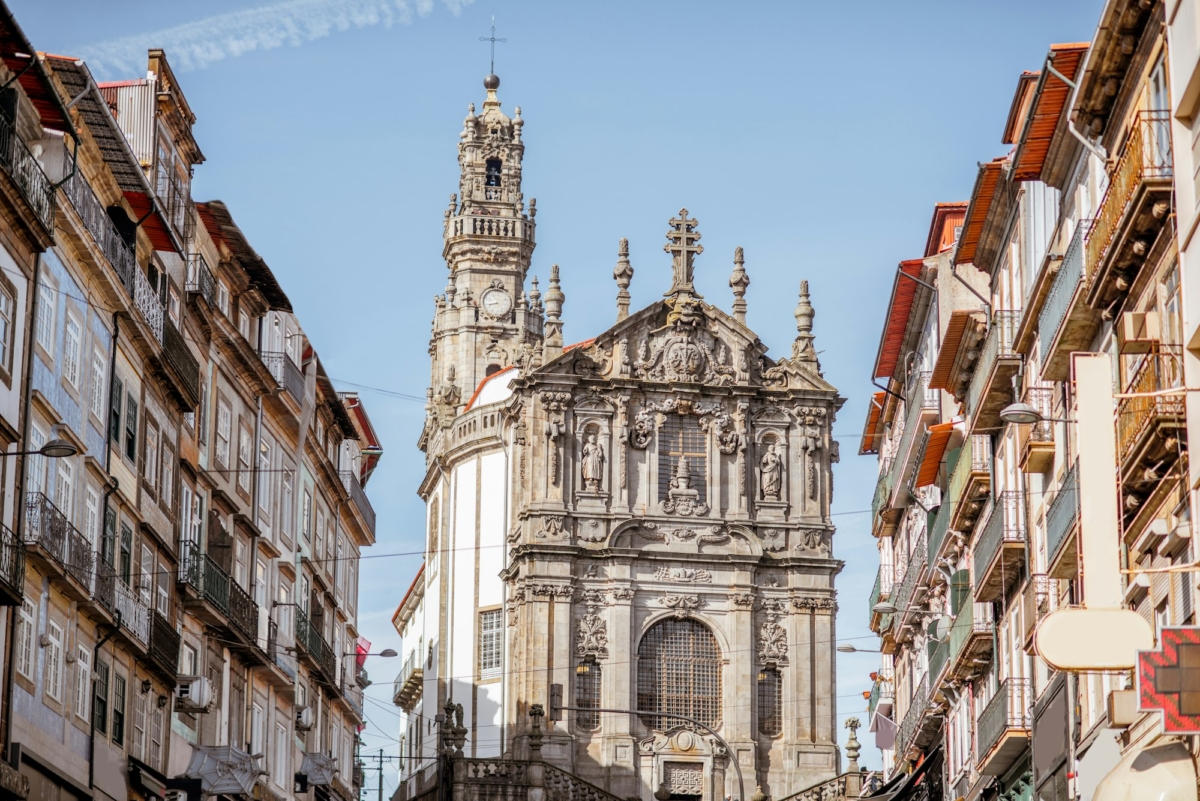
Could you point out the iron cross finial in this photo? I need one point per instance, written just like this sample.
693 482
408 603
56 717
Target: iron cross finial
493 40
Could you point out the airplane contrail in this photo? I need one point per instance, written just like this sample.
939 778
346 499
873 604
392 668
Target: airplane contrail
195 45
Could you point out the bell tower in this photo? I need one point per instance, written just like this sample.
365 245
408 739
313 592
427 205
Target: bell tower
485 321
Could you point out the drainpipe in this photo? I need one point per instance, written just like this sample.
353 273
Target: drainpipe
19 494
252 568
1096 150
91 728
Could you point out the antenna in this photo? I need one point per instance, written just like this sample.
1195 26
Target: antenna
493 40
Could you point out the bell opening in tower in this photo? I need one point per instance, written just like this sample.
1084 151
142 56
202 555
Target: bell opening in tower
493 172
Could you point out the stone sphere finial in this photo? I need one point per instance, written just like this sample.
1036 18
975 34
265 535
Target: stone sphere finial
491 82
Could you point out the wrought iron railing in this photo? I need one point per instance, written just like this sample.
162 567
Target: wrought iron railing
49 528
973 620
243 612
1063 512
903 594
180 358
1062 291
309 638
204 575
998 345
285 372
876 593
882 690
135 615
1040 597
175 200
940 530
359 497
145 298
1161 369
200 279
1005 524
1147 156
164 644
100 226
918 705
12 561
25 171
1042 399
1007 711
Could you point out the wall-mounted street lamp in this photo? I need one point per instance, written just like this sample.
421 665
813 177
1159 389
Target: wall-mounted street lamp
55 448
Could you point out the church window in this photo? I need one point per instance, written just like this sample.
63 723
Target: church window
493 172
770 701
491 650
681 441
587 695
679 671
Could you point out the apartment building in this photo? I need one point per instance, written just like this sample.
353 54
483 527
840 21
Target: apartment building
184 503
1073 233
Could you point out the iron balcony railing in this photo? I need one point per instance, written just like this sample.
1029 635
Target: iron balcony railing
939 656
181 359
48 528
973 620
1005 524
175 200
135 614
1007 711
145 298
26 173
309 638
997 345
243 612
285 372
1062 291
1063 512
975 458
359 497
1040 597
1042 399
912 574
12 562
1159 370
918 705
200 279
876 593
407 686
204 575
940 530
100 226
881 691
164 645
1147 156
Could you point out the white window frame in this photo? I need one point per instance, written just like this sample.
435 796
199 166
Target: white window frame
44 328
64 488
137 744
54 660
279 768
224 432
35 480
72 350
244 467
83 682
91 516
491 643
8 306
26 628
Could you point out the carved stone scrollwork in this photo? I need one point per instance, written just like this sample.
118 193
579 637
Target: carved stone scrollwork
813 540
591 531
643 429
713 535
815 604
622 594
682 604
683 575
685 352
742 600
552 527
592 634
772 539
772 637
552 590
683 499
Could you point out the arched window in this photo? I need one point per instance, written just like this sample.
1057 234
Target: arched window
679 671
493 173
770 701
587 695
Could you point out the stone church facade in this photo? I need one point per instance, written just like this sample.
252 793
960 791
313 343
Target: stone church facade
642 518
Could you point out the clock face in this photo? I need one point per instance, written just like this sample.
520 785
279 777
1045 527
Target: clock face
497 302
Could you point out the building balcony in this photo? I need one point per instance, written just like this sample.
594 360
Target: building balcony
1042 595
1035 441
58 547
359 497
999 555
200 280
1060 527
1133 211
878 622
991 385
164 647
123 604
23 171
312 646
286 373
1066 323
510 229
904 594
970 482
12 568
181 363
409 683
1151 427
1004 727
175 201
882 513
921 723
969 640
939 533
882 697
99 225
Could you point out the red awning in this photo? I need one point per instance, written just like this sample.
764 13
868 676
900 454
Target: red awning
870 437
955 328
18 55
977 212
1050 97
904 292
155 225
935 449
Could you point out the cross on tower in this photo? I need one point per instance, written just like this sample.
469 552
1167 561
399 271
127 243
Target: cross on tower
682 245
493 40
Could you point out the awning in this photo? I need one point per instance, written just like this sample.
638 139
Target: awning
904 293
943 366
870 435
977 212
946 217
1155 773
935 449
1050 97
913 785
18 56
319 768
223 770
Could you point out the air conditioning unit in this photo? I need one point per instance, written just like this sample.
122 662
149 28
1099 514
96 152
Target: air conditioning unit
304 718
193 694
1138 332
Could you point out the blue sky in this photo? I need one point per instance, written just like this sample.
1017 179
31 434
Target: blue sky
817 136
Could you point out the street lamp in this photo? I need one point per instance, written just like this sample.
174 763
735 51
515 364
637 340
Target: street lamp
1023 414
852 649
887 608
56 448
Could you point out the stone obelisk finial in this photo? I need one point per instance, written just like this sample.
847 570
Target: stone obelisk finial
739 281
623 274
554 326
802 349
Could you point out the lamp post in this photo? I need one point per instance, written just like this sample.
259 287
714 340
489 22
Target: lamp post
55 448
853 649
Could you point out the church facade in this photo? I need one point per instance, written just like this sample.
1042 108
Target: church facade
641 518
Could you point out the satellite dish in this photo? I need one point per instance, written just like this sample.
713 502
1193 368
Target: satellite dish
941 628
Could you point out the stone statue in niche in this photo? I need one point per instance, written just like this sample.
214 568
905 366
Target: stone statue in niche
593 463
810 444
682 498
771 474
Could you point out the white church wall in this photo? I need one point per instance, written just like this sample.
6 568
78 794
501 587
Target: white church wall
493 525
459 569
